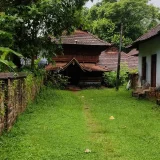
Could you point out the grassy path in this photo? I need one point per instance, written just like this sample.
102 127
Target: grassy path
134 134
96 132
62 124
52 129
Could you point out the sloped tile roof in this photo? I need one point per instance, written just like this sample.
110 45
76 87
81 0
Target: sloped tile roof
83 38
94 67
84 66
133 52
150 34
109 60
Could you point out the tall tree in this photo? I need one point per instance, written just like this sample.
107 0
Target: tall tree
38 19
137 17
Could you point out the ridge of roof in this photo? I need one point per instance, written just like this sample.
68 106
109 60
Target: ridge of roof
84 66
84 38
75 60
148 35
152 32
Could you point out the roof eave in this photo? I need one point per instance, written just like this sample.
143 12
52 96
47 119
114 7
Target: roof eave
105 45
136 43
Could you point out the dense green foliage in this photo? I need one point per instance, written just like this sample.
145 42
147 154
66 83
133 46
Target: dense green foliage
6 42
137 16
56 80
36 21
110 77
33 85
61 125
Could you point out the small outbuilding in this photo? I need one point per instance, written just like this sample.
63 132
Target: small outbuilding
148 46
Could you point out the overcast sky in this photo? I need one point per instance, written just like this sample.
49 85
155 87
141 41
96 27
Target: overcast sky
154 2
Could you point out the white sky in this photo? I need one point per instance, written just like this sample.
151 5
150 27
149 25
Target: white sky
154 2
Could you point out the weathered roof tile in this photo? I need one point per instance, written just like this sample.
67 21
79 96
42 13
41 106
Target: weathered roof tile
83 38
133 52
110 60
153 32
150 34
84 66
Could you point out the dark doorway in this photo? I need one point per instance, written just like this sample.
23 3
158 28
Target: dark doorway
74 73
144 68
153 70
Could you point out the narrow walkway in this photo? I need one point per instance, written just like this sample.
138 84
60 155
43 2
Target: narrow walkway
97 135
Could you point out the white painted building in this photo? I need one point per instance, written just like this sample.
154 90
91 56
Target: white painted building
149 57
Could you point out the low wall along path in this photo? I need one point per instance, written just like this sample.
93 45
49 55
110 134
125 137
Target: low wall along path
14 96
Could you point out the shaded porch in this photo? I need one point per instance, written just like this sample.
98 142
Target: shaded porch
79 73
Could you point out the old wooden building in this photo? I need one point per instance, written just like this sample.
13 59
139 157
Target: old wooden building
80 58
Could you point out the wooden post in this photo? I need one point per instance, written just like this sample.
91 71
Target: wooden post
119 58
9 102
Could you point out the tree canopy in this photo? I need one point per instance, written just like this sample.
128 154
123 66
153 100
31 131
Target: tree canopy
104 19
36 20
6 42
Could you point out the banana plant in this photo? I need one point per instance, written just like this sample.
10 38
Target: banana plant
5 54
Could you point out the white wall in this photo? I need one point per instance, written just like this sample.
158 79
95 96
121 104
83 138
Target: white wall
147 49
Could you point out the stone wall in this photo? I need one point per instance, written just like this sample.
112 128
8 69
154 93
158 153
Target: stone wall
15 94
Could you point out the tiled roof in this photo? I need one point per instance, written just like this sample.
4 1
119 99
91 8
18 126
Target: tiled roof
150 34
53 67
83 38
94 67
110 60
133 52
153 32
132 62
84 66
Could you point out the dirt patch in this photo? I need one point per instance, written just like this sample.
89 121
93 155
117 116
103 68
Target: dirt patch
73 88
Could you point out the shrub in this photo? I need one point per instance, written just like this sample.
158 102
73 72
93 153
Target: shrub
57 81
110 77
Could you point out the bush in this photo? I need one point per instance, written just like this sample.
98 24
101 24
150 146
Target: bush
57 81
110 77
33 85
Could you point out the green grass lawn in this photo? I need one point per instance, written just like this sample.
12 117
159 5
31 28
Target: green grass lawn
61 125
